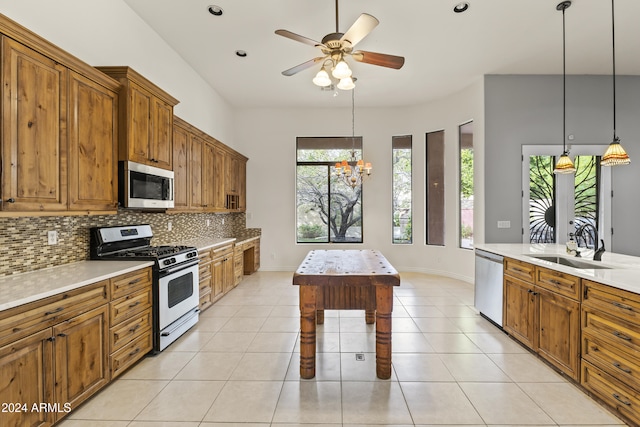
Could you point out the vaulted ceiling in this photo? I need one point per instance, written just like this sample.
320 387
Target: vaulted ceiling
444 51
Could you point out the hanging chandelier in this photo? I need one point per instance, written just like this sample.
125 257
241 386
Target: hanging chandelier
352 172
564 165
615 155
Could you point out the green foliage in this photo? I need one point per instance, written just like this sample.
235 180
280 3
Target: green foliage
466 231
466 172
310 231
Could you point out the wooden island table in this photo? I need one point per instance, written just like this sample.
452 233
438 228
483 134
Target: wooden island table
345 280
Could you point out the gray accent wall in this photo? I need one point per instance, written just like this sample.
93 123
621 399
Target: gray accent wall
527 110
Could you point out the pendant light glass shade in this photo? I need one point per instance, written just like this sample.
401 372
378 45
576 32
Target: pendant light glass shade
341 70
615 155
564 164
346 84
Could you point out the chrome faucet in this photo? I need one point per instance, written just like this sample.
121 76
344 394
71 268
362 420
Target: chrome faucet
591 236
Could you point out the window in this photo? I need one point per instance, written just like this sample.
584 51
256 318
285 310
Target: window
327 209
435 188
466 185
401 171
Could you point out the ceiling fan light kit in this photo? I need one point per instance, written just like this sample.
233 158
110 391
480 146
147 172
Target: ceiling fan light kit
336 46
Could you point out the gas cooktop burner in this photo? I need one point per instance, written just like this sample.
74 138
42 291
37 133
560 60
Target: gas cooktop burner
155 251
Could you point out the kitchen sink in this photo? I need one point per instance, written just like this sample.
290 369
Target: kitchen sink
569 262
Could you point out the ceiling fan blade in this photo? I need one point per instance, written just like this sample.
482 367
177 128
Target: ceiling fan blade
381 59
359 30
298 38
303 66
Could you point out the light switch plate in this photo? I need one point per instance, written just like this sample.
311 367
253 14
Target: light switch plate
504 224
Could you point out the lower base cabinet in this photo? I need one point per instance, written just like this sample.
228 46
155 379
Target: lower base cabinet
57 352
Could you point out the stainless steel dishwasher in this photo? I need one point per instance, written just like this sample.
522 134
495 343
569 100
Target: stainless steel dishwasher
488 285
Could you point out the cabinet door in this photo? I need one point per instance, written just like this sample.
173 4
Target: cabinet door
196 172
519 311
26 377
559 331
162 132
181 166
139 122
217 277
93 127
208 176
228 279
81 356
219 172
33 140
242 184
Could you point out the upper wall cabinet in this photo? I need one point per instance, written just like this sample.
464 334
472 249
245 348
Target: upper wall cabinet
146 119
209 176
59 128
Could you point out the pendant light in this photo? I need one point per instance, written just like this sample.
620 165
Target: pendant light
615 154
564 165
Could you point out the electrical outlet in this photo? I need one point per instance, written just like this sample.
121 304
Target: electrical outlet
208 222
169 226
222 221
52 237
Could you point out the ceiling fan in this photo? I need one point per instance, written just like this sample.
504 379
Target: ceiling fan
336 46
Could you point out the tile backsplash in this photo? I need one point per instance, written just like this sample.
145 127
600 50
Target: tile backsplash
23 240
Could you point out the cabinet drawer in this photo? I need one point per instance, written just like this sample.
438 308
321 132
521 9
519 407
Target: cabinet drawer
206 301
205 286
612 359
130 354
204 257
221 251
522 270
127 331
556 281
204 271
26 319
619 396
130 305
625 305
129 283
611 328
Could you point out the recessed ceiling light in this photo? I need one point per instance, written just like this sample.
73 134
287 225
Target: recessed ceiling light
461 7
241 53
215 10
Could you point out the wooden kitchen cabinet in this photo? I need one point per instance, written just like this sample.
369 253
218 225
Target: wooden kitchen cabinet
55 351
130 326
611 348
204 274
145 119
59 122
34 143
542 311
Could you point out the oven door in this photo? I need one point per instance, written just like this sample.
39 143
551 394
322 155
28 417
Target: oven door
178 293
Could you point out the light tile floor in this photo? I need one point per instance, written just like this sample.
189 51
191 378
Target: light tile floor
240 367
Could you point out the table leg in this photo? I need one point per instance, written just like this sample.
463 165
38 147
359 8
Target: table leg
308 295
384 307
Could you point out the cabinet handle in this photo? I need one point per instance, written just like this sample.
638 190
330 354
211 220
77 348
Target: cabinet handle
9 200
134 352
622 336
51 339
622 368
135 328
61 335
619 399
555 282
134 304
133 282
622 306
57 310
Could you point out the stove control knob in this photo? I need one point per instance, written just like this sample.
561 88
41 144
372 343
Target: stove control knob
168 261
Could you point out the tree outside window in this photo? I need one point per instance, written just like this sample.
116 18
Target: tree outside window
401 195
328 210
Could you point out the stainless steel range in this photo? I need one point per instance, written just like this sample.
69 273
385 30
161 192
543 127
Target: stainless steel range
175 276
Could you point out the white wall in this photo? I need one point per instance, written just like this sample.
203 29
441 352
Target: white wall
268 138
108 32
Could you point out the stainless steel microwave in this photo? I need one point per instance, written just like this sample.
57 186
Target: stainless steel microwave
144 187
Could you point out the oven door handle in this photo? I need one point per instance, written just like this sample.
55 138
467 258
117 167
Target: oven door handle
178 268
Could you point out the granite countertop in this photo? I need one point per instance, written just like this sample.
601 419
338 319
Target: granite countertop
23 288
622 272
